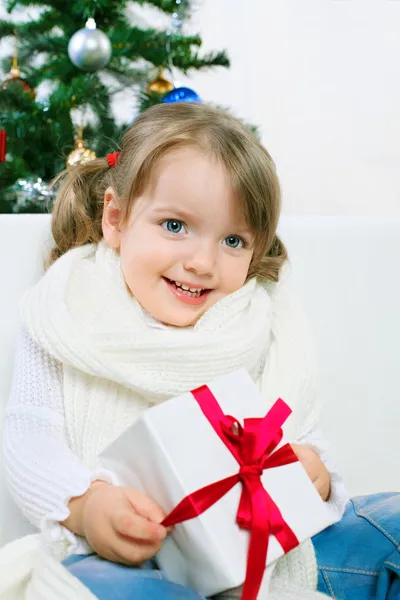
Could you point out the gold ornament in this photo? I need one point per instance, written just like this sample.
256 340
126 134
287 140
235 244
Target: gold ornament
160 85
15 78
80 155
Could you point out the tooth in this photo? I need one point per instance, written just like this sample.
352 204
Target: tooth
195 289
185 287
178 283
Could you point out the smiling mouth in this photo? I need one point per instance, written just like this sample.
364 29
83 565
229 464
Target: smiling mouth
191 292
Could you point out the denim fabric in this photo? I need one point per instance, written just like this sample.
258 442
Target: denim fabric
359 557
109 581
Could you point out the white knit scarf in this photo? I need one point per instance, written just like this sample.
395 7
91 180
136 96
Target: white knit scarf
82 313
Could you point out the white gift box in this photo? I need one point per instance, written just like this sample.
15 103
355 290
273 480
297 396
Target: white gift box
172 450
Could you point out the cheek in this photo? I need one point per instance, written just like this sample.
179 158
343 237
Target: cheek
142 259
236 273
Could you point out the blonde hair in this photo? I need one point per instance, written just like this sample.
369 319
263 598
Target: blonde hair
77 212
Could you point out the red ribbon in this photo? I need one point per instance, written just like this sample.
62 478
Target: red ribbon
3 145
253 447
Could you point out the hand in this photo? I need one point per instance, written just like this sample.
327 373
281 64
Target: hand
120 524
315 469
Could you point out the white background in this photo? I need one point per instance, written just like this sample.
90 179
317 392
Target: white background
321 80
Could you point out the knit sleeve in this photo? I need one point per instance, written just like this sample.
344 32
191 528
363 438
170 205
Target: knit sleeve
41 471
339 495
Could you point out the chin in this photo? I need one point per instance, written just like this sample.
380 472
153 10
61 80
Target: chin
180 321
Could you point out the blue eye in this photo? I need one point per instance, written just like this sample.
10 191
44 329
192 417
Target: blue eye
173 226
233 241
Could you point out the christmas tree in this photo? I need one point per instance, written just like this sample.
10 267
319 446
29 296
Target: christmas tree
87 50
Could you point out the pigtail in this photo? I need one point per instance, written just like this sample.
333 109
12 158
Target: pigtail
275 259
271 263
78 208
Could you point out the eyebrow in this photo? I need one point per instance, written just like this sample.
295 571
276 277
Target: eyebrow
176 211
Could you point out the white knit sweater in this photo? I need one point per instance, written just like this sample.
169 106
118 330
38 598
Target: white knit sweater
85 372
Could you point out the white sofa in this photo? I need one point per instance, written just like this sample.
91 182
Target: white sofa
347 274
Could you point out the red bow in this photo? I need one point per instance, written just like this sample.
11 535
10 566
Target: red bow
112 159
253 447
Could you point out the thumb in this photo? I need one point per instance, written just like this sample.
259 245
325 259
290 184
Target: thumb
300 450
304 454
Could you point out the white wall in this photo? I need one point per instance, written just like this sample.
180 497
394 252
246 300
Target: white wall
321 79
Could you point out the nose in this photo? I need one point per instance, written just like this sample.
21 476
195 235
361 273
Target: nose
201 259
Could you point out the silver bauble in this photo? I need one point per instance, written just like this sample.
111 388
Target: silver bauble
89 48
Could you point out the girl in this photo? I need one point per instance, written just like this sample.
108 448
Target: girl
166 273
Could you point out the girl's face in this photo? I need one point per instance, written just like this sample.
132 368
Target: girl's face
186 245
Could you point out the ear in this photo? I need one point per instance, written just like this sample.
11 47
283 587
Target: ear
111 219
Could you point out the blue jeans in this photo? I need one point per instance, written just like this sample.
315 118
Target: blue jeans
358 559
109 581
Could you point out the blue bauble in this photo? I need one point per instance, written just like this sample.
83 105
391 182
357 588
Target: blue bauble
181 94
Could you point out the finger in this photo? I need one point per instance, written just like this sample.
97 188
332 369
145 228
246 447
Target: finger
308 463
118 548
146 506
137 527
135 552
323 486
129 553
